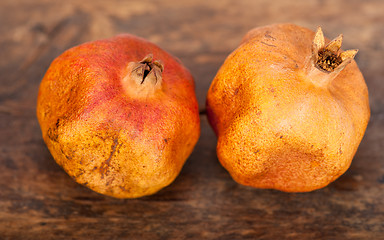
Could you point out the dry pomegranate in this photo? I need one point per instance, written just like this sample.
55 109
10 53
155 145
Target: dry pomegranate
289 109
119 115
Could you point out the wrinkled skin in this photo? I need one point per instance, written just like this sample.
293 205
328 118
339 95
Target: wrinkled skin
106 136
277 128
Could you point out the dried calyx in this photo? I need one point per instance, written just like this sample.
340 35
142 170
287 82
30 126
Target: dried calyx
329 57
147 70
144 77
327 61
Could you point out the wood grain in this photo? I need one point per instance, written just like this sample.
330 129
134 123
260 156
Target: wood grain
38 199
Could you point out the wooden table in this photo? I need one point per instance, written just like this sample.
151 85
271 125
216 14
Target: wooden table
39 201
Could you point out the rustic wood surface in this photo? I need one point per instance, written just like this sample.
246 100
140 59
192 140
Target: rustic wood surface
39 201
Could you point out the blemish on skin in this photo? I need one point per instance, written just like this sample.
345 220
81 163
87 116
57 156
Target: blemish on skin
110 180
258 112
237 89
268 35
271 45
80 174
52 134
106 164
57 122
124 189
65 155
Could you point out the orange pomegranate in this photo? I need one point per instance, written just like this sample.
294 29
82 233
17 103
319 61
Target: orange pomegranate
119 115
289 108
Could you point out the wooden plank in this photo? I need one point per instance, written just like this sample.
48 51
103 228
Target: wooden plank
39 200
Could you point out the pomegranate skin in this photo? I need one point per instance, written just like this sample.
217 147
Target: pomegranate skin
283 122
119 115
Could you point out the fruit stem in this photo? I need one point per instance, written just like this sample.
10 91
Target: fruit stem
144 77
327 61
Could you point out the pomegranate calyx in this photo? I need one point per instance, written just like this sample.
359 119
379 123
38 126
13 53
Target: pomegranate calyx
147 70
330 58
327 60
144 77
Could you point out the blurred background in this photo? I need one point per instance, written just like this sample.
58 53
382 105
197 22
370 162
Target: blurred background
200 33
